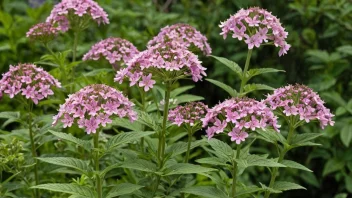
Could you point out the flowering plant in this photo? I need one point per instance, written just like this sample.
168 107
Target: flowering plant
158 143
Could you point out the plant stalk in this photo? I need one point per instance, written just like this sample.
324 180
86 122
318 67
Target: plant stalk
74 47
246 66
234 173
34 153
98 179
162 138
281 157
189 144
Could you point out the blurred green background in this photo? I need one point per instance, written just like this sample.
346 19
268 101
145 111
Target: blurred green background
320 32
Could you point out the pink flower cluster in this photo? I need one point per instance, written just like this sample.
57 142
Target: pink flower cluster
43 32
299 100
93 106
184 35
112 49
63 12
256 25
163 60
32 82
190 114
240 115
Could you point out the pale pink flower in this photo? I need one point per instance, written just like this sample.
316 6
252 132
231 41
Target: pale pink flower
237 135
31 81
147 82
189 114
43 32
94 106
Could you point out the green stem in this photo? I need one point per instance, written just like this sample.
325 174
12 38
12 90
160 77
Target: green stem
234 173
156 103
162 138
281 157
34 153
98 179
61 66
74 47
189 144
246 66
143 109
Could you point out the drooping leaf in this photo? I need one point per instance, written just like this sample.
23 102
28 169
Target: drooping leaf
87 145
72 189
124 138
230 64
77 164
293 164
346 134
109 168
205 191
141 165
180 90
284 186
223 86
123 189
184 168
10 115
270 135
221 149
333 165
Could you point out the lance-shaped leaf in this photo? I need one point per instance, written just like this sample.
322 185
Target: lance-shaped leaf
141 165
270 135
225 87
293 164
126 123
183 168
283 186
72 189
77 164
257 160
181 147
212 161
304 139
123 189
253 87
124 138
247 190
180 90
230 64
205 191
254 72
187 98
87 145
221 149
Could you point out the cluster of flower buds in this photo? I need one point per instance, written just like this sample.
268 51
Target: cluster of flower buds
301 101
184 35
257 26
31 81
239 115
43 32
116 50
93 106
190 114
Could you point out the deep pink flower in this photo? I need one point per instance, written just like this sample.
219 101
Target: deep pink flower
183 34
239 115
256 25
94 106
302 102
189 114
162 61
116 50
31 81
43 32
75 10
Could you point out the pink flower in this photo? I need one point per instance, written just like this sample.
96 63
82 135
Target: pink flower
257 25
184 35
238 135
31 81
115 50
147 82
239 115
94 106
189 114
302 102
76 10
43 32
163 61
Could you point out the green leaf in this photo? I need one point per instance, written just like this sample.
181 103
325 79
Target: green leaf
124 138
140 164
302 139
247 190
127 124
271 190
98 71
87 145
148 120
205 191
257 160
10 115
292 164
253 87
222 150
183 168
333 165
283 186
212 161
70 162
72 189
181 147
270 135
180 90
230 64
187 98
223 86
109 168
123 189
346 134
348 183
254 72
